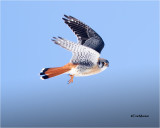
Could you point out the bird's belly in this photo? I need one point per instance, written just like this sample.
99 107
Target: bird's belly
85 72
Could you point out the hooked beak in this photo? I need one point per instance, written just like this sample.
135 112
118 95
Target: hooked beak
106 64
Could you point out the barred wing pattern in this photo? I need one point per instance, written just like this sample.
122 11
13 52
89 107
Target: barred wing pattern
84 33
82 55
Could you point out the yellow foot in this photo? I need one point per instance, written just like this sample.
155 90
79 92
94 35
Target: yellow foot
71 80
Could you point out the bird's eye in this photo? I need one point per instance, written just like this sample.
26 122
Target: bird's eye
100 64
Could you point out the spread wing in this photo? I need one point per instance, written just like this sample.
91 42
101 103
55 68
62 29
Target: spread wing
86 35
82 55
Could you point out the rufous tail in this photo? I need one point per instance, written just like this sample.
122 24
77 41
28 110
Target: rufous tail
52 72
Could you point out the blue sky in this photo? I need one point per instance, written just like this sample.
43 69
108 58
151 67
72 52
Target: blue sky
128 86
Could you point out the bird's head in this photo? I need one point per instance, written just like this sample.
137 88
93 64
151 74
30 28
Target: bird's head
103 63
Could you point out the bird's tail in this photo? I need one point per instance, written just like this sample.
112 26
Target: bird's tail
52 72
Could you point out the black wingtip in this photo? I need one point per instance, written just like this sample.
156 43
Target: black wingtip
64 19
60 37
53 39
66 16
72 17
69 17
43 71
44 77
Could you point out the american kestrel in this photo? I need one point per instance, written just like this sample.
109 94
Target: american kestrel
85 59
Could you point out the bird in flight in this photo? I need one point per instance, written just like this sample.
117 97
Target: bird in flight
85 59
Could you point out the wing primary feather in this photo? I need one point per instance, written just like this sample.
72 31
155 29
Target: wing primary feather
84 33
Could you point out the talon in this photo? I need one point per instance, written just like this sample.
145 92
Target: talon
71 80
